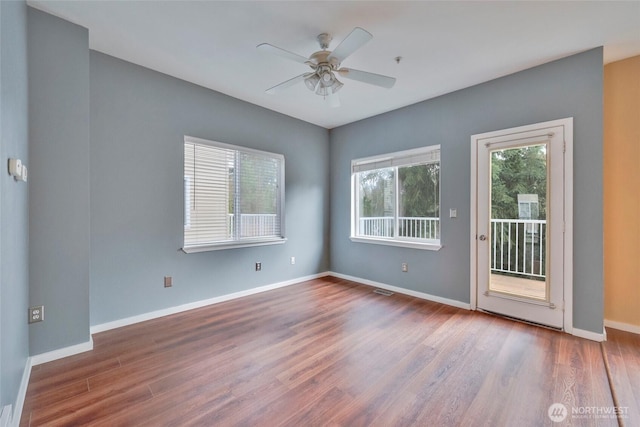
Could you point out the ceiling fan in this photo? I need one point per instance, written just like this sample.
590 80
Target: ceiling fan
325 64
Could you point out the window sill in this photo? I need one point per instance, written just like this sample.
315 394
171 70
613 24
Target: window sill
233 245
401 243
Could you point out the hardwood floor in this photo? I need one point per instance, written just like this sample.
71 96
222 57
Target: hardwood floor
324 352
623 354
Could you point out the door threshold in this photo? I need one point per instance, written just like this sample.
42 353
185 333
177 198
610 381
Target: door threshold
517 319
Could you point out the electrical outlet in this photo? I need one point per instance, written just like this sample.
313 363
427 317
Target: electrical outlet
405 267
293 260
258 266
168 281
36 314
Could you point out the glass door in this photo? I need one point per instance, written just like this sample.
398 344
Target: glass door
519 224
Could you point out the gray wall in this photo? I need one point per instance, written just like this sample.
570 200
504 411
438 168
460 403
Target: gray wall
14 211
99 258
138 120
570 87
59 181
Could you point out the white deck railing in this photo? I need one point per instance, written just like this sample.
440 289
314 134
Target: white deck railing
412 227
255 225
518 246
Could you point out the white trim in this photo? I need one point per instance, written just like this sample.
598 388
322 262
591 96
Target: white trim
416 156
198 304
593 336
568 223
22 393
5 416
233 245
627 327
396 242
280 215
60 353
567 126
417 294
473 227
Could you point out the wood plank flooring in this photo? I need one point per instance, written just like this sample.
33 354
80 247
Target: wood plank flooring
324 352
623 354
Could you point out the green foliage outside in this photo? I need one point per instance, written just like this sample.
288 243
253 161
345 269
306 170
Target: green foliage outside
258 182
374 185
517 171
419 191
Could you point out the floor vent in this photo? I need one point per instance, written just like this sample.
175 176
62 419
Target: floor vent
383 292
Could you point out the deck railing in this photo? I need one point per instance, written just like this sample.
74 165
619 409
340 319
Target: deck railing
517 245
410 227
254 225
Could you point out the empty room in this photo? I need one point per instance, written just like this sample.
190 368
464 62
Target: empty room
349 213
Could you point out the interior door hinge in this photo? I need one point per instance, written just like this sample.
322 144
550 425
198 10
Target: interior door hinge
564 146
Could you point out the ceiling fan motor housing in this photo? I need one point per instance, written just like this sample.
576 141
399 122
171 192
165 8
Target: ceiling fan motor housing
323 78
324 39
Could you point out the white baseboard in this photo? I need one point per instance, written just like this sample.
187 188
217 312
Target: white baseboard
198 304
22 393
627 327
5 416
421 295
49 356
88 346
593 336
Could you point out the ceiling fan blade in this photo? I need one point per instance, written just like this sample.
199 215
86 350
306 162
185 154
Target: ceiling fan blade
280 87
350 44
266 47
366 77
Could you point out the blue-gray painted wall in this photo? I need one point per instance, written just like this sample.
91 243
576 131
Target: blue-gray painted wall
104 199
138 121
59 260
14 196
570 87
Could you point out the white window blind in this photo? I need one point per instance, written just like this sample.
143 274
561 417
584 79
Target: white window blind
403 158
232 195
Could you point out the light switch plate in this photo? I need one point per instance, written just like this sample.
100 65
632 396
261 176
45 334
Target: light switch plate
15 168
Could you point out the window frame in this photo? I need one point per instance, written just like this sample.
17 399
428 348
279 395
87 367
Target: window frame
383 159
236 242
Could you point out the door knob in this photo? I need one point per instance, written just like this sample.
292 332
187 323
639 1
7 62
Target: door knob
482 237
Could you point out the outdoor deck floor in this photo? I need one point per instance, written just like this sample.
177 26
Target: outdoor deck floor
518 286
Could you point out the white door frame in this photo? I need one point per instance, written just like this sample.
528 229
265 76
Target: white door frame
567 125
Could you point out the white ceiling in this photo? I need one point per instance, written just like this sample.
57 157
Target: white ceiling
445 46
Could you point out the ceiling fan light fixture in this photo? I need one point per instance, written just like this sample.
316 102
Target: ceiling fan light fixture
336 85
312 81
325 64
323 90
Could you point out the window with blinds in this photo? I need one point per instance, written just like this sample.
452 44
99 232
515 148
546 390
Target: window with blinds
233 196
396 198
